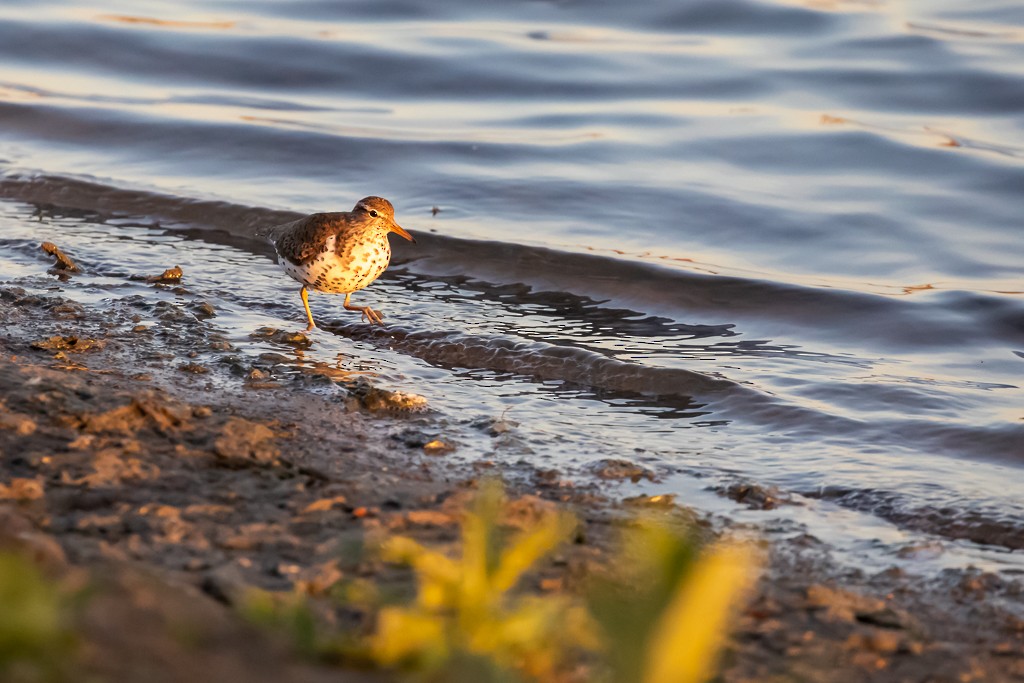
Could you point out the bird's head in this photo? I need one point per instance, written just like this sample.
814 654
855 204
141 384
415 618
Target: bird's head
379 211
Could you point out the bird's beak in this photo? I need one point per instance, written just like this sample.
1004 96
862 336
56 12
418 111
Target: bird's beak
395 227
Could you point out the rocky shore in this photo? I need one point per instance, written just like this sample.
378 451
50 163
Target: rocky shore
142 457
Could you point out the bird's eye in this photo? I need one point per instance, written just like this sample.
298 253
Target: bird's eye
373 213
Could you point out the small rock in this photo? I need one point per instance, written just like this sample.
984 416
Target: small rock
22 489
665 500
879 641
20 424
169 276
297 340
494 426
82 443
193 368
71 344
885 641
204 309
843 605
429 518
413 438
621 469
62 261
546 476
145 409
325 504
977 585
757 497
287 569
244 442
376 399
437 447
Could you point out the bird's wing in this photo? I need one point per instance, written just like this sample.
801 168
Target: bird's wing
301 240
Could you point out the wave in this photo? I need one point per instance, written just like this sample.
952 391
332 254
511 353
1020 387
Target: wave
545 362
884 324
988 526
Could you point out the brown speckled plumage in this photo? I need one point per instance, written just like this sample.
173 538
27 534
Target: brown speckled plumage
339 252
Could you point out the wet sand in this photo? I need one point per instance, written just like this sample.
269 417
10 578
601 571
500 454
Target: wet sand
172 485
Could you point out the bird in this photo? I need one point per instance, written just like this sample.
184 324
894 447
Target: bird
339 252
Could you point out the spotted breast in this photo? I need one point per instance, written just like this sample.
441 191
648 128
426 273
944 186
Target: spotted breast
344 265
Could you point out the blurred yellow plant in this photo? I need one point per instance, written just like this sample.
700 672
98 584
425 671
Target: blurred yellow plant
660 614
694 626
665 608
464 608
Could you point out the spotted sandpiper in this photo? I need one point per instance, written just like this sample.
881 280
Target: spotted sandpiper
339 252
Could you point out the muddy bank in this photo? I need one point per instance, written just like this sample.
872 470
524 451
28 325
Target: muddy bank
142 451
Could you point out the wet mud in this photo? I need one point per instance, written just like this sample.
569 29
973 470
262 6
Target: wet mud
173 472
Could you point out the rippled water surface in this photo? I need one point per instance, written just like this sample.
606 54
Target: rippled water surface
777 242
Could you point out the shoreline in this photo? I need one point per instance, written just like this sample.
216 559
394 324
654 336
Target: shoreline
127 459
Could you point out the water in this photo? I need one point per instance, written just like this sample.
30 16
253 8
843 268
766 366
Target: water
776 242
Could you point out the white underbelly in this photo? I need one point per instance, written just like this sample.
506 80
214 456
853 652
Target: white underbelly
328 272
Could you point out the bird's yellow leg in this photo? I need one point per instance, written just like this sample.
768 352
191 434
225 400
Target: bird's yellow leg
305 302
368 313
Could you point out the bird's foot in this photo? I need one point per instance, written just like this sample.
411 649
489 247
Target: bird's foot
372 316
